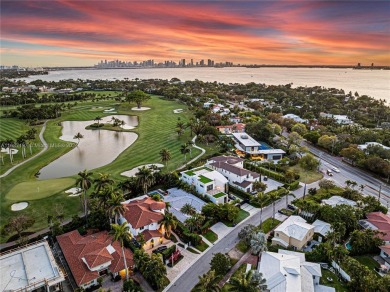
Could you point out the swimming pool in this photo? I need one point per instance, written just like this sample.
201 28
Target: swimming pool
348 246
264 146
156 192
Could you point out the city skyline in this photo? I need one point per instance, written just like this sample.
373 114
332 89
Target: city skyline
81 33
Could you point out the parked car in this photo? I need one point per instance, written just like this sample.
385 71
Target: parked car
335 169
135 243
291 207
160 249
231 197
265 178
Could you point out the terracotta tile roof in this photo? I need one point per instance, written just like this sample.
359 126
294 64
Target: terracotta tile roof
385 248
149 234
382 222
140 213
93 249
227 159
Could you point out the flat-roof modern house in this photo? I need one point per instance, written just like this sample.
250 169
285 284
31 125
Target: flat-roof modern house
293 232
339 119
207 182
337 200
365 145
289 271
296 118
30 268
246 145
92 256
143 216
233 169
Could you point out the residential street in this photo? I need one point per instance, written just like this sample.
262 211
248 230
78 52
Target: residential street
348 172
189 278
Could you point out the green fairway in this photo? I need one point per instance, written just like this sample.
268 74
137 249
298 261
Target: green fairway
38 189
156 131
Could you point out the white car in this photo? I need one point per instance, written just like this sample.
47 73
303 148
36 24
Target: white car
335 169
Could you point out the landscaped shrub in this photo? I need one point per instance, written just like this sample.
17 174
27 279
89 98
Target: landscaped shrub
239 193
293 186
266 172
186 236
168 252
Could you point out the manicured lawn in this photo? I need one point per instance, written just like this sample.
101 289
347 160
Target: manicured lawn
211 236
307 176
368 261
38 189
335 283
153 135
192 250
267 225
242 246
241 216
219 195
202 246
204 179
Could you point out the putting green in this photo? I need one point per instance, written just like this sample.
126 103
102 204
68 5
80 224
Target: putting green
38 189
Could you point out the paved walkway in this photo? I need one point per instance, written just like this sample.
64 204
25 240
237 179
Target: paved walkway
196 158
234 268
45 147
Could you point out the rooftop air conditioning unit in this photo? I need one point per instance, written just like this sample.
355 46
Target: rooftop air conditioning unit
244 137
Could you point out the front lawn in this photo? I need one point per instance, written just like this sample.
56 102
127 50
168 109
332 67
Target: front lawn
202 246
307 176
241 216
242 246
335 282
267 225
211 236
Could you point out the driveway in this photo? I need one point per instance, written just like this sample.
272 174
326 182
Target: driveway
187 261
221 229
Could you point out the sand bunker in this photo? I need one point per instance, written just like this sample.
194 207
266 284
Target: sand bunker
74 192
142 108
126 127
6 150
178 111
132 172
19 206
109 110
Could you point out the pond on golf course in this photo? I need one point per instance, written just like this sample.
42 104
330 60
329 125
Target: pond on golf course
96 149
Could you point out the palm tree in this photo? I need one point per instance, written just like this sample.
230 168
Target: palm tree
21 140
261 200
184 149
98 119
31 136
121 233
168 222
103 196
207 282
190 144
273 197
140 259
165 155
258 243
2 145
167 206
78 136
244 283
9 143
145 178
84 182
102 181
116 208
188 209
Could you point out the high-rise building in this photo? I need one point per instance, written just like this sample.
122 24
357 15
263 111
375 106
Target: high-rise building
201 63
192 62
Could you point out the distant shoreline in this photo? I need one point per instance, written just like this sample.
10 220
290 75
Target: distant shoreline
216 67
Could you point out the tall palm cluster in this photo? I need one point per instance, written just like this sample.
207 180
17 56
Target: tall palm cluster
22 141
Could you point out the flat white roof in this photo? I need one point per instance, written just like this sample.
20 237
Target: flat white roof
337 200
245 139
28 268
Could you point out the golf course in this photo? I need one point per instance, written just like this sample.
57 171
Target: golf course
155 130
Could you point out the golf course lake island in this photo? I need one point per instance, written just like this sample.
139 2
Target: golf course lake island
97 148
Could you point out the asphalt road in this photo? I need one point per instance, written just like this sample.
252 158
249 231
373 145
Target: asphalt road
189 278
348 172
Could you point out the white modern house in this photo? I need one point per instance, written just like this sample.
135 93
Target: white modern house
207 182
233 169
246 145
337 200
288 271
293 232
339 119
296 118
143 216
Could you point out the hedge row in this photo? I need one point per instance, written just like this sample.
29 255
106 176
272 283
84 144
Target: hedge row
266 172
293 186
239 193
186 236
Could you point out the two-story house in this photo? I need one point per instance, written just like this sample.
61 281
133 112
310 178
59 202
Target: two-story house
143 216
233 169
207 182
293 232
92 256
229 129
246 145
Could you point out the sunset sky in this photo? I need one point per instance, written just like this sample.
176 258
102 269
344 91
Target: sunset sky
83 32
